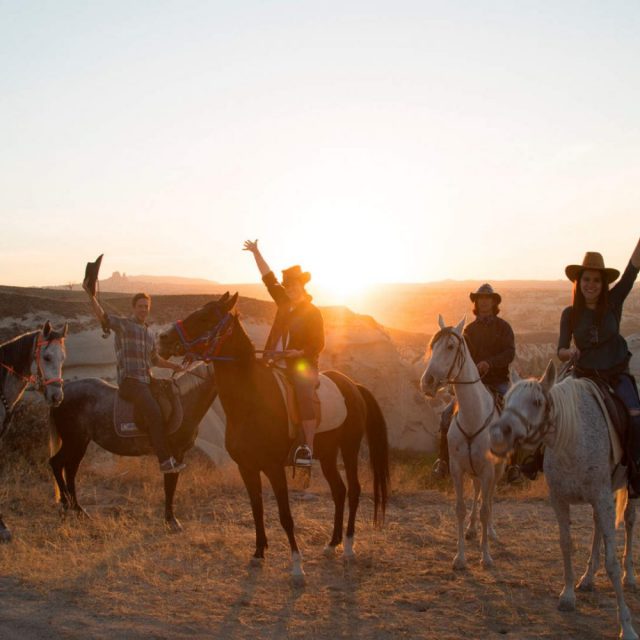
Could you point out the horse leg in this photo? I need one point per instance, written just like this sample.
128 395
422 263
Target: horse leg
253 484
70 470
170 483
629 576
586 582
567 600
605 514
459 562
350 458
487 483
338 492
472 528
57 462
278 481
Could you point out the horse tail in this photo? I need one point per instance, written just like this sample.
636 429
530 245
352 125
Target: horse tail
55 442
622 498
376 430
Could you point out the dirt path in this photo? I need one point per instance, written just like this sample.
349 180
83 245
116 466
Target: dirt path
120 575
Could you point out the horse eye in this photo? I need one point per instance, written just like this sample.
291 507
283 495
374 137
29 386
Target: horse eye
449 347
47 358
537 402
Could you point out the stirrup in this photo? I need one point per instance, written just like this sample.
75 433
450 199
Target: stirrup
303 458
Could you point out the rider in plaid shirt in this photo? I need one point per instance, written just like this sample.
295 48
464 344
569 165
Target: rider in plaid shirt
135 355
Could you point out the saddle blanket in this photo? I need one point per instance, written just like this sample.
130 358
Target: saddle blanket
333 410
616 446
168 397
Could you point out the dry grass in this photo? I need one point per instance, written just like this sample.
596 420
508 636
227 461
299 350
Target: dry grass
121 574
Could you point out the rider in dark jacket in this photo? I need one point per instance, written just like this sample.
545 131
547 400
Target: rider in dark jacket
296 337
492 346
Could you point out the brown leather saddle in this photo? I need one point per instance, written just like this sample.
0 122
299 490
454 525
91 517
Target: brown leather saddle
292 404
166 392
617 413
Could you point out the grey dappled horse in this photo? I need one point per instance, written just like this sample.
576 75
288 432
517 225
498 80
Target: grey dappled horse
468 437
578 467
32 358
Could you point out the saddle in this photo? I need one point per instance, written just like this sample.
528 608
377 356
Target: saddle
617 414
166 392
329 405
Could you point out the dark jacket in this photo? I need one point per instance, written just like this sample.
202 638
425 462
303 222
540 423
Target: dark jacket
602 348
300 327
491 339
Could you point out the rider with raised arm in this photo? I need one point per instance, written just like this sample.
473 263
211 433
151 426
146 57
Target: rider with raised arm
492 346
296 337
599 350
135 355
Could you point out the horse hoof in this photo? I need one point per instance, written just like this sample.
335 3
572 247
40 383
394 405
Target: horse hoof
256 563
566 604
173 525
585 586
5 535
459 563
487 562
330 551
630 584
470 534
81 514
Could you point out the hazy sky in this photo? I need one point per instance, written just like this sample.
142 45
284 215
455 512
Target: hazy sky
370 141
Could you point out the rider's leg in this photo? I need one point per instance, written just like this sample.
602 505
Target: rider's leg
305 380
147 406
441 465
628 392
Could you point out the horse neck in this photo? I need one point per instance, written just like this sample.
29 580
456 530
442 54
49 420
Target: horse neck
471 397
17 354
200 397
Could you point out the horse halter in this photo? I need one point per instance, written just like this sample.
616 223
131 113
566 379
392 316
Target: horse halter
205 347
39 379
534 432
458 359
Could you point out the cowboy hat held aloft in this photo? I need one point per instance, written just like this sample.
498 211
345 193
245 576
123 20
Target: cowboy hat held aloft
485 290
91 271
594 261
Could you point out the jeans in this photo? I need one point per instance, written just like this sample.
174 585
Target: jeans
147 407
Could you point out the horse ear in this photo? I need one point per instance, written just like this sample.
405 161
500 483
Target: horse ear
224 297
458 328
46 329
65 330
232 301
441 323
515 376
549 377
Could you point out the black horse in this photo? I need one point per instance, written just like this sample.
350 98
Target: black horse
86 414
42 350
257 435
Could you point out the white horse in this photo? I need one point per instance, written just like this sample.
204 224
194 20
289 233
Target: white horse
468 437
32 358
578 466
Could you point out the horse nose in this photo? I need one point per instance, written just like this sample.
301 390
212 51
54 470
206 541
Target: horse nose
426 383
506 429
57 396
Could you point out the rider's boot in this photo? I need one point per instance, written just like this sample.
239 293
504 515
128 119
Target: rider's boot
634 457
533 464
440 469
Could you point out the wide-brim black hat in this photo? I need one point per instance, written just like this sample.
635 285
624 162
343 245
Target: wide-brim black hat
485 290
90 282
295 274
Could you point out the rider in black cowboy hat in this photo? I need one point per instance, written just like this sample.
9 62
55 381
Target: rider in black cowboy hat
492 346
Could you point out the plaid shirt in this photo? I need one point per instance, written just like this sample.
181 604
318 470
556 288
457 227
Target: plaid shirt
135 348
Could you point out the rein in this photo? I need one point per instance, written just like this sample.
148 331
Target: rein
535 432
471 437
459 358
205 347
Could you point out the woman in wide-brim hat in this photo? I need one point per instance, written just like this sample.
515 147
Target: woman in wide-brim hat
593 323
296 337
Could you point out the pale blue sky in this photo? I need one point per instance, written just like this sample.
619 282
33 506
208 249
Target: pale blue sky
386 140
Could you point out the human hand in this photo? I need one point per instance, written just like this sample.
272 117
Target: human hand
483 367
293 353
251 246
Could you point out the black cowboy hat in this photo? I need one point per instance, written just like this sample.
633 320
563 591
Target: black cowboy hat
295 273
91 271
485 290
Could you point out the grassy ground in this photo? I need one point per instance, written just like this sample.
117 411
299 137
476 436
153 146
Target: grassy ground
120 574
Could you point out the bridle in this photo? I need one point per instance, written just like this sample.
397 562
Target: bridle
535 432
38 379
459 358
208 345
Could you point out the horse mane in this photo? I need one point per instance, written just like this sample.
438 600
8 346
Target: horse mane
18 353
565 396
192 379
